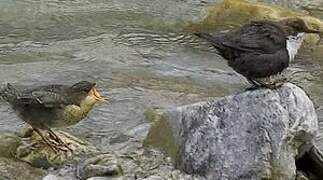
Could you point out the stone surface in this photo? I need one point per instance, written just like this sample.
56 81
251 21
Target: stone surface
8 144
34 151
251 135
131 162
16 170
293 4
309 162
101 165
153 178
106 178
51 177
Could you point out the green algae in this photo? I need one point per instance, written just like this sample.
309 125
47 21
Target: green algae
233 13
163 140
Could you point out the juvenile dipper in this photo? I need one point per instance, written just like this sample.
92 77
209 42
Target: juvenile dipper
52 106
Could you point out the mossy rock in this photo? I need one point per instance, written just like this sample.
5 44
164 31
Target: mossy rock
38 154
15 170
164 139
236 12
9 142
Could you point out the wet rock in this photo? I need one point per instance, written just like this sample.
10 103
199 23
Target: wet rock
251 135
8 144
102 165
51 177
236 12
143 163
34 151
295 3
106 178
15 170
153 178
301 176
310 162
132 162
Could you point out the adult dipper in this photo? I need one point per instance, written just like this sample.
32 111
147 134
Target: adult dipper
260 49
52 106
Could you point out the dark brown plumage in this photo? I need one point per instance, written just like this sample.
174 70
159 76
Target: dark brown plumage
260 49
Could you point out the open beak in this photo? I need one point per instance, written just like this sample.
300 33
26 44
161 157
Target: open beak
97 95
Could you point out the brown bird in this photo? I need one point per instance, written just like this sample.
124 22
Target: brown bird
52 106
260 49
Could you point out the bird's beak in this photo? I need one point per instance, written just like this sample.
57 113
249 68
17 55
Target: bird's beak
97 96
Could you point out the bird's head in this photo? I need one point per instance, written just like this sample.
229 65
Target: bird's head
83 89
298 25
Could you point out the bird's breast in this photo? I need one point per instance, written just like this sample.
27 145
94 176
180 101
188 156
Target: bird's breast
293 43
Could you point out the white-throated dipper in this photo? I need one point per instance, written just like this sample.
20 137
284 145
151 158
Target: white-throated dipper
52 106
260 49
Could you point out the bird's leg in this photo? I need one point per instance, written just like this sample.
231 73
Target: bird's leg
273 81
264 84
45 140
57 139
254 84
280 79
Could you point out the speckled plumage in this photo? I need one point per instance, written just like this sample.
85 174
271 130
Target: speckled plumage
52 106
45 106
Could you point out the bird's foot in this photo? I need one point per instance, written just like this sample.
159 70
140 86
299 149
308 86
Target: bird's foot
252 87
53 141
59 142
52 146
271 82
59 146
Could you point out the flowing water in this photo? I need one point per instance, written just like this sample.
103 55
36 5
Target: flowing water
137 52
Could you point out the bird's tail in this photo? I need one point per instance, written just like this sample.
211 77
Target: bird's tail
216 41
9 93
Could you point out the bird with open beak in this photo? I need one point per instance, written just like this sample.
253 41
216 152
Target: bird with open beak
259 50
52 106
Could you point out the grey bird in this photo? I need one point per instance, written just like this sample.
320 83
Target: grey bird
52 106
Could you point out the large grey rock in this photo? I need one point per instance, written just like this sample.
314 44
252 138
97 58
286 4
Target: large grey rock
248 136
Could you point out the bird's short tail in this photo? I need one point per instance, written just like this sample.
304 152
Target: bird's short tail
216 41
9 93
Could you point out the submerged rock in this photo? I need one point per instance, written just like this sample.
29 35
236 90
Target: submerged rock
251 135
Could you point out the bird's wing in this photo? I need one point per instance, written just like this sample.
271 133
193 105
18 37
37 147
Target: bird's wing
261 37
9 93
41 98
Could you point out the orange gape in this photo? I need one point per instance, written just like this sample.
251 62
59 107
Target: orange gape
96 95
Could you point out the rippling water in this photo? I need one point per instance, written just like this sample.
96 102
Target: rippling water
137 51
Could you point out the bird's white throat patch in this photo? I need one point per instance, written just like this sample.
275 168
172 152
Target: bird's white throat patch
293 44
